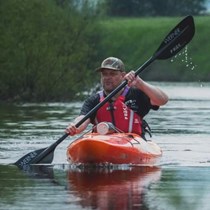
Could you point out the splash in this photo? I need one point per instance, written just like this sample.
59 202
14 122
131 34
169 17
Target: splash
201 84
185 58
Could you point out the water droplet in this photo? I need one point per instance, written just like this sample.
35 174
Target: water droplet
183 56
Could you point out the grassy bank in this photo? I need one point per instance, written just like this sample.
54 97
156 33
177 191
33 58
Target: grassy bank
136 39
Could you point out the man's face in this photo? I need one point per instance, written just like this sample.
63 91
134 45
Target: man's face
110 79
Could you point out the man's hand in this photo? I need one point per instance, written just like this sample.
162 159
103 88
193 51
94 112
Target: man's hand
132 80
71 129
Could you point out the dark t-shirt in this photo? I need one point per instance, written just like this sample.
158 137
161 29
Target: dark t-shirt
135 99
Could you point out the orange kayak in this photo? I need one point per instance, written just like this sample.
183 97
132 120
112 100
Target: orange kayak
115 148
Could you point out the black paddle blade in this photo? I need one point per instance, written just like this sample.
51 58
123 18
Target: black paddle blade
24 162
179 37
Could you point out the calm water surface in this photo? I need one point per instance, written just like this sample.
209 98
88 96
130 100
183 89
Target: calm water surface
180 180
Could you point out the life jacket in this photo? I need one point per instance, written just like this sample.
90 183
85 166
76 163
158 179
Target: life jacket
121 116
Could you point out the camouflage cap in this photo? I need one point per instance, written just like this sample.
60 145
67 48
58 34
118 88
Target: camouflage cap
112 63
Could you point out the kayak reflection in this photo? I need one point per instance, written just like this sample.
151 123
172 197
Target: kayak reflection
112 189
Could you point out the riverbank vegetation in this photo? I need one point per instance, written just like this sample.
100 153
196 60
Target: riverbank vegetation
46 49
136 39
49 49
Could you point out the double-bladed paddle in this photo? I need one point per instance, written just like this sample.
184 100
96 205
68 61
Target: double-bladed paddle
178 37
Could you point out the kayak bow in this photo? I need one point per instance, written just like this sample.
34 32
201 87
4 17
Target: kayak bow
115 148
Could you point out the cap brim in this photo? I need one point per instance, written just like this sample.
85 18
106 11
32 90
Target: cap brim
102 68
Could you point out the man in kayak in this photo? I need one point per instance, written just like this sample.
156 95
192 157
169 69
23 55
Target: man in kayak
128 107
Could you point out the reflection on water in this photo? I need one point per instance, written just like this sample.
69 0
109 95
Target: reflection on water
30 190
118 187
65 187
181 188
112 189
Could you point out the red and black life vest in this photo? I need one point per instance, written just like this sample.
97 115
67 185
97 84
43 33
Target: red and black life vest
117 112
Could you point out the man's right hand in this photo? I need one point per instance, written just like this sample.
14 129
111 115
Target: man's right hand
71 129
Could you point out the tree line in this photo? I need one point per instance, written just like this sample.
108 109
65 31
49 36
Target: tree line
140 8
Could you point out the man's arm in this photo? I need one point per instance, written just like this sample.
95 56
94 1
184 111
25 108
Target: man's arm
88 105
156 95
72 130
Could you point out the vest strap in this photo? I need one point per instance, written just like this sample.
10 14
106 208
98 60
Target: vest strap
130 128
125 91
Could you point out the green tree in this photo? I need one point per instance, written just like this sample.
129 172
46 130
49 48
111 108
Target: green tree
177 8
154 7
45 48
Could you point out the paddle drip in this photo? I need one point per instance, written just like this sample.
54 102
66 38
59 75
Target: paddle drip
185 59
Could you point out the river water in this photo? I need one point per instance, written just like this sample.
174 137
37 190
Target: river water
180 180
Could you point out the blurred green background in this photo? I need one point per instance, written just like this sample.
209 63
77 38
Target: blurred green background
49 49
